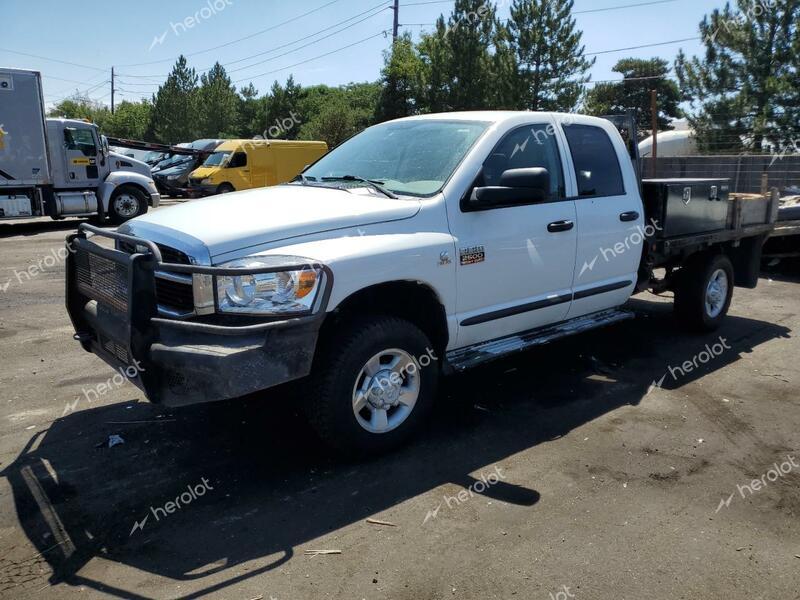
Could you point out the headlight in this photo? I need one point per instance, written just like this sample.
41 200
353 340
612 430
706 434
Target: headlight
287 292
206 181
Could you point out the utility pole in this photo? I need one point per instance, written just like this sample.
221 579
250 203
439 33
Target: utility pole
654 110
112 90
396 28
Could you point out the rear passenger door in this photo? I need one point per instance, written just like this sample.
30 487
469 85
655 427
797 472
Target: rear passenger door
610 219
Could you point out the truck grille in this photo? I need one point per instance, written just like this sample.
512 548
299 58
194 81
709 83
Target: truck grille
174 296
103 280
170 255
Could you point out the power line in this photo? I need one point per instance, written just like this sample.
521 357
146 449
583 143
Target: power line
379 7
303 46
620 7
383 33
236 41
574 12
86 92
691 39
64 62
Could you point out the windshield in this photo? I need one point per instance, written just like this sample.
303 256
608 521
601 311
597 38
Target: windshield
407 157
153 157
172 161
217 159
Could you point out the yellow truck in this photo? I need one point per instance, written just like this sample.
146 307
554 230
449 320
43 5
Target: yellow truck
244 164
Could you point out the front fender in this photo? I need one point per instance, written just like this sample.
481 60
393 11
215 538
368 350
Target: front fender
118 178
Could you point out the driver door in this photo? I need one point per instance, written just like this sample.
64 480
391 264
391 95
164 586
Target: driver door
82 157
516 263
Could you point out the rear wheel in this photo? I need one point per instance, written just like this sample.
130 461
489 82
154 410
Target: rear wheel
373 384
704 293
126 203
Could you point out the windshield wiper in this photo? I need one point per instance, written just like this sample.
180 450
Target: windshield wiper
373 183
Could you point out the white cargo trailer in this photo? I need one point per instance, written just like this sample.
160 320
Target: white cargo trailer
62 167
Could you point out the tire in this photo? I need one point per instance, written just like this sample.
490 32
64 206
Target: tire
356 358
127 202
225 188
704 292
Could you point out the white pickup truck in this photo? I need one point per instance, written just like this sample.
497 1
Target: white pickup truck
419 247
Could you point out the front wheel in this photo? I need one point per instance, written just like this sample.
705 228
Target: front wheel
373 385
704 294
225 188
126 203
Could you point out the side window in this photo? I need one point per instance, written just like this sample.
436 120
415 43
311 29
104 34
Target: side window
239 159
527 147
80 139
596 163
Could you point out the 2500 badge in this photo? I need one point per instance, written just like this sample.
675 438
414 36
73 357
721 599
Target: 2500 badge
473 255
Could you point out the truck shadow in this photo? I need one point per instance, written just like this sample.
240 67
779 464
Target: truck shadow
250 484
38 226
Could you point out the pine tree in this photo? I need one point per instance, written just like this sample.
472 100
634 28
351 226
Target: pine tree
252 112
744 91
469 35
173 118
218 104
284 103
552 68
400 81
436 82
634 93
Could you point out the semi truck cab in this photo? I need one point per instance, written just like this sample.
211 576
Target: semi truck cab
62 167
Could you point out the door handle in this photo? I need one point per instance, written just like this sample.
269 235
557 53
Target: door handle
629 216
558 226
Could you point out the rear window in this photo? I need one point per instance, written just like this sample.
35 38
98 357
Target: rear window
596 164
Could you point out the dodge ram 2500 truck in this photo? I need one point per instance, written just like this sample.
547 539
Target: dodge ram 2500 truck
421 246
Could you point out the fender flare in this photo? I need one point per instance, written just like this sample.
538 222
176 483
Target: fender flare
119 178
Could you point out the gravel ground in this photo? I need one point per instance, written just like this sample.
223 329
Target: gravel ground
562 474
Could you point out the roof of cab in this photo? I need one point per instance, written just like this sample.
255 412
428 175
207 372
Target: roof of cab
498 116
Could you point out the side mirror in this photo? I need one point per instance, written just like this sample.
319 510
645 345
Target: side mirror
516 187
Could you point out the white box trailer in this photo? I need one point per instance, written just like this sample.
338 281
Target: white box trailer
62 167
23 154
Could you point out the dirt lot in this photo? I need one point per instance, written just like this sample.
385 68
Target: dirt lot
563 473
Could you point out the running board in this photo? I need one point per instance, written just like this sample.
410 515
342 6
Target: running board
471 356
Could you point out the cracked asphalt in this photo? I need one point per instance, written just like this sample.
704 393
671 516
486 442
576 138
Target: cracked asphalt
599 467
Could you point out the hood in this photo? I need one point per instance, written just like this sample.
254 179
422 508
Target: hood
234 222
176 170
120 162
201 172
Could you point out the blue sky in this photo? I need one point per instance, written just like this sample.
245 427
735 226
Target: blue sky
102 34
